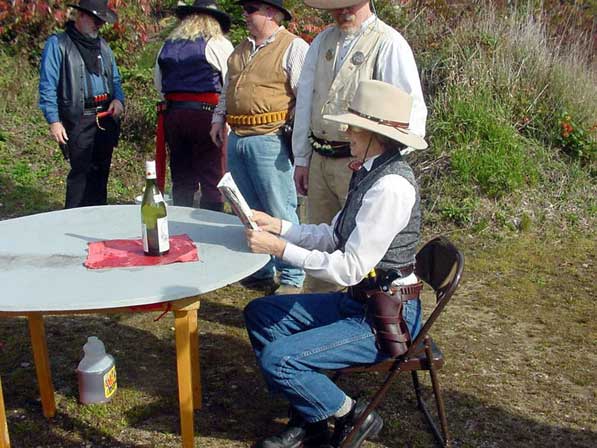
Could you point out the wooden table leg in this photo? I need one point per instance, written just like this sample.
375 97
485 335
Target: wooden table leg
4 439
195 367
182 325
42 364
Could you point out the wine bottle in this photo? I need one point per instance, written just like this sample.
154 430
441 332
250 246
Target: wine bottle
154 219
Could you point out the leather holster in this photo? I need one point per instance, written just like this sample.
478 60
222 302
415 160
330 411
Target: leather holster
384 311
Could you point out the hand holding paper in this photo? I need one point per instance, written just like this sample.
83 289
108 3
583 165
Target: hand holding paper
233 195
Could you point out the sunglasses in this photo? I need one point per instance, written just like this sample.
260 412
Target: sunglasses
250 9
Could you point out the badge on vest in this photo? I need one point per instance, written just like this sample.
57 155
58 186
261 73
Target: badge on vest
329 55
358 58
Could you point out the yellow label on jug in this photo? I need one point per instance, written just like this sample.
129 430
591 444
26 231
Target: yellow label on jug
110 382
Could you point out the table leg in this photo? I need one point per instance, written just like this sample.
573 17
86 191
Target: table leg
4 439
182 325
42 364
195 367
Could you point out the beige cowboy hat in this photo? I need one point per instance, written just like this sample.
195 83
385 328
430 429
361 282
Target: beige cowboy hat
381 108
332 4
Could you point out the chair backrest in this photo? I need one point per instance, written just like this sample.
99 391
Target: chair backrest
439 264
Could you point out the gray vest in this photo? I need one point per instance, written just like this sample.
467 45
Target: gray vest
402 250
73 77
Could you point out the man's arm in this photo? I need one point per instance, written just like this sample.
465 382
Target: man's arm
396 65
49 75
117 105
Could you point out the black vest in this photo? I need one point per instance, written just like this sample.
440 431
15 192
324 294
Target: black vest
74 77
402 249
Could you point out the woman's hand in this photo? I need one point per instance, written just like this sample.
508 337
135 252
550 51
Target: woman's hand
267 222
265 243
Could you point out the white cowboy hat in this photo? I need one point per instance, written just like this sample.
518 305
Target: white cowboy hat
332 4
381 108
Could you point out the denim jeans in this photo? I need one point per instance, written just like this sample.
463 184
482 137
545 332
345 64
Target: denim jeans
297 337
262 170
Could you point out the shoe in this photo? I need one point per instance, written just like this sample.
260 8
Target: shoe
368 430
267 285
298 433
285 289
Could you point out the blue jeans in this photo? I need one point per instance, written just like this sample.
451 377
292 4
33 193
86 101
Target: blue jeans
262 170
297 337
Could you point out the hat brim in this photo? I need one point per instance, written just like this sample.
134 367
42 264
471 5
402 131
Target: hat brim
403 136
287 15
331 4
222 18
109 17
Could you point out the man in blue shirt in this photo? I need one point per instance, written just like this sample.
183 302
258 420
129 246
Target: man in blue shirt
81 97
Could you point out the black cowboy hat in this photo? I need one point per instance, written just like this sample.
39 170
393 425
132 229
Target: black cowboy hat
275 3
206 7
97 8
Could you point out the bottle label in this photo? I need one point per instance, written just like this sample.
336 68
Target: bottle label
110 384
163 237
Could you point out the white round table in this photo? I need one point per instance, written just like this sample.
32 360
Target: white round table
42 272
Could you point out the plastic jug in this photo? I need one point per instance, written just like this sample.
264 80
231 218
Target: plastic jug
96 373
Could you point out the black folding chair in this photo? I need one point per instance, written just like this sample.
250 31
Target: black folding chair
439 264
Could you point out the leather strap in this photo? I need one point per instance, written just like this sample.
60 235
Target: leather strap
403 293
192 105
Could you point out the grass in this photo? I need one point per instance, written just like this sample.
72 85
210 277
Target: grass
516 337
500 178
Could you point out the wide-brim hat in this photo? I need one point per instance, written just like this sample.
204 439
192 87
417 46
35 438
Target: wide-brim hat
384 109
97 8
206 7
275 3
332 4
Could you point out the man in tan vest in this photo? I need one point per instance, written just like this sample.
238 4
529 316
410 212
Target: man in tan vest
258 97
360 46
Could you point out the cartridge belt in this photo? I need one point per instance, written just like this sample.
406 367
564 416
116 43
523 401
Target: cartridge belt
403 293
252 120
328 148
96 109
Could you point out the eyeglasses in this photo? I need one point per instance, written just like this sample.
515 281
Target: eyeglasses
250 9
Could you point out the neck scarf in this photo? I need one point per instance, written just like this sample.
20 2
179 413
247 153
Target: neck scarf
89 47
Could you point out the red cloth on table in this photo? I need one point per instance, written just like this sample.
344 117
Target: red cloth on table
129 253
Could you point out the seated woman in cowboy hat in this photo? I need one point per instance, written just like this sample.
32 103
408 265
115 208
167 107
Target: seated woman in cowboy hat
297 337
190 71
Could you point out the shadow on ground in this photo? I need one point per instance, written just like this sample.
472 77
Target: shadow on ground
237 409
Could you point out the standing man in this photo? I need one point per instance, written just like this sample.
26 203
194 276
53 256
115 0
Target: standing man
359 47
259 97
189 74
81 98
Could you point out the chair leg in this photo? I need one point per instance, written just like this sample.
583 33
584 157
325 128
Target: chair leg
417 387
441 437
373 404
441 410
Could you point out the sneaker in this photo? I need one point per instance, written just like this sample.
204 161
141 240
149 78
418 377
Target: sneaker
368 430
298 433
266 285
285 289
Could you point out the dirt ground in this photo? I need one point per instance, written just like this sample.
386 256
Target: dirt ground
519 339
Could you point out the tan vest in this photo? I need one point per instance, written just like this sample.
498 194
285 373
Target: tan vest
259 85
332 94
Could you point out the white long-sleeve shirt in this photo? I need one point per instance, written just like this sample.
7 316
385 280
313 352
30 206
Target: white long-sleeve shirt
395 65
292 63
385 211
217 51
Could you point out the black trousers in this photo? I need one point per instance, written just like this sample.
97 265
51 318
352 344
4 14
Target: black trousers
194 159
90 154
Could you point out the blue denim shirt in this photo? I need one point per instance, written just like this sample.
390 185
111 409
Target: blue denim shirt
49 75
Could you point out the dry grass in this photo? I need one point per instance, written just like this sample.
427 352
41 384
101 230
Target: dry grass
518 337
